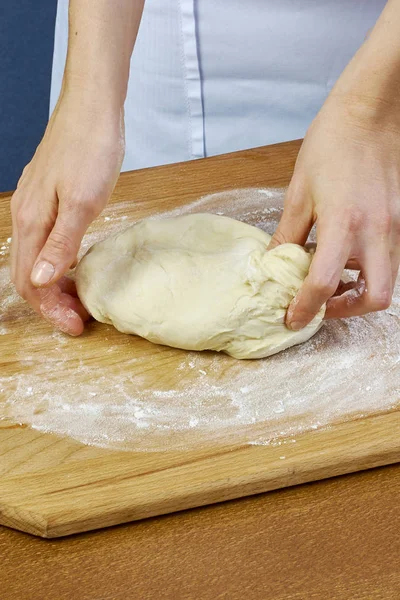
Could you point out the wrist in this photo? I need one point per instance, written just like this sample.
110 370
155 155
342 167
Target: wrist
93 90
90 91
80 115
365 109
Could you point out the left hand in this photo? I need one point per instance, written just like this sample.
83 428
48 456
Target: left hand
347 180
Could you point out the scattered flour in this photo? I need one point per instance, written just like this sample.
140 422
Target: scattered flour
65 385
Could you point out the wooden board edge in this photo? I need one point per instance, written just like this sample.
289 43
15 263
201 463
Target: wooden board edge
232 474
23 520
205 498
49 526
291 146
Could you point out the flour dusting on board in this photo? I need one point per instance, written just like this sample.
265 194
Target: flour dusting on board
74 387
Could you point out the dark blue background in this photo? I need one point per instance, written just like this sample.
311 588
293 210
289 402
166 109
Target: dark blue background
26 52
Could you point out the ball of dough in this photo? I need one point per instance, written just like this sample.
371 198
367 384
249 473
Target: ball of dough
198 282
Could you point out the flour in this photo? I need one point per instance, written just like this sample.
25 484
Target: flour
348 370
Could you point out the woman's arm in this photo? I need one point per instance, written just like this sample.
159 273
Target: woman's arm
347 179
76 165
101 38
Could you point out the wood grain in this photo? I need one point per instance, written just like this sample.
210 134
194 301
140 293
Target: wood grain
119 488
337 539
54 487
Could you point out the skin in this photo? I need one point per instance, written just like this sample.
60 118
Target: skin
74 170
346 179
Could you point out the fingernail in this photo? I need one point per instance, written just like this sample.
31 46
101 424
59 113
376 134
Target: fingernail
296 325
42 273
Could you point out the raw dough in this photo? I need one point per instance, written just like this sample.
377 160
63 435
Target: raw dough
198 282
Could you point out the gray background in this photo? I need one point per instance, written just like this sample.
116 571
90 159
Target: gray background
26 52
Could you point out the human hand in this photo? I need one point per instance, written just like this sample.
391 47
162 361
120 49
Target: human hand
61 191
347 180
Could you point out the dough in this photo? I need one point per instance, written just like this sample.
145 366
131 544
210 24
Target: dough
198 282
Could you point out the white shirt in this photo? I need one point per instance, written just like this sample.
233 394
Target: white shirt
214 76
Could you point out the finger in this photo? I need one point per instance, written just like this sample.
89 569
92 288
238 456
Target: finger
24 251
76 305
72 302
374 289
352 263
68 289
60 249
59 309
49 300
64 319
297 217
66 293
321 282
62 308
29 235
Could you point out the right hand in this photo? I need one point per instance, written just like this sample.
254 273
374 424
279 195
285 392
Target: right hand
61 191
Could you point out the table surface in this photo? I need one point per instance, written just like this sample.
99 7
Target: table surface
338 538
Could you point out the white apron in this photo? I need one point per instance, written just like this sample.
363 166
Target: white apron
214 76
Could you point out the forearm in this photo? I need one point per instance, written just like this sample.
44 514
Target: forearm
102 35
371 81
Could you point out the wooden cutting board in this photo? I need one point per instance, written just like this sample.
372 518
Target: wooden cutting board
51 486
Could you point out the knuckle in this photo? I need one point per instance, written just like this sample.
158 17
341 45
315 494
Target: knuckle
385 224
379 300
92 207
355 219
60 243
22 219
74 198
323 287
82 202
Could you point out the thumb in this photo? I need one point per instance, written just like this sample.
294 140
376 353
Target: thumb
296 220
59 251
